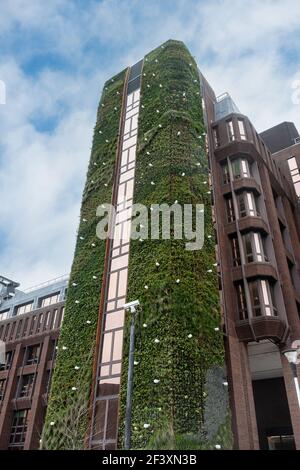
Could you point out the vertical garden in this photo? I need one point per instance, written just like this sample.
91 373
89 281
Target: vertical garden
179 400
179 354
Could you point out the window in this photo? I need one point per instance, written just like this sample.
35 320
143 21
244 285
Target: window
295 174
230 209
254 248
26 386
242 129
230 131
8 361
18 430
261 297
235 251
242 306
240 168
4 314
225 174
247 204
2 388
216 137
32 354
24 308
49 300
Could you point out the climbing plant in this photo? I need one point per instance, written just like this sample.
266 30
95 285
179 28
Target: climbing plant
177 343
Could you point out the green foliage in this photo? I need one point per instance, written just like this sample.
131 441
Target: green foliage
78 333
181 315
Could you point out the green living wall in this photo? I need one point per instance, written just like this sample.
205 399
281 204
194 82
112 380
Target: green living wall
179 400
68 408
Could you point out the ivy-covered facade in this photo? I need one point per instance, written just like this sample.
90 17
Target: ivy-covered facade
179 400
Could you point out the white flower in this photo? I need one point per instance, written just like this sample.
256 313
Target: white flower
136 363
157 110
215 264
217 328
209 271
94 277
74 388
52 423
92 181
208 192
74 284
146 287
152 183
76 301
178 133
115 108
156 381
106 140
160 85
185 396
156 340
145 325
156 60
100 132
146 425
105 184
64 348
93 244
159 409
190 335
76 367
88 322
150 164
157 263
217 446
81 238
148 153
177 281
183 174
225 383
84 220
159 125
176 202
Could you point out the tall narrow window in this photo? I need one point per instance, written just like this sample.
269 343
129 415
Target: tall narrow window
216 137
33 354
26 386
235 251
2 388
230 209
18 430
241 298
230 131
255 299
225 173
242 129
295 174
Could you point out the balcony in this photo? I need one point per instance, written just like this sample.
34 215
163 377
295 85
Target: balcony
259 328
255 270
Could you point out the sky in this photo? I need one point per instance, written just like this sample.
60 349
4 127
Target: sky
54 58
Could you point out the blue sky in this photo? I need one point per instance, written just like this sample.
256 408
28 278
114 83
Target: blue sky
54 58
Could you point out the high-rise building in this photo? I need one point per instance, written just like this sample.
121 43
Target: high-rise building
29 328
162 136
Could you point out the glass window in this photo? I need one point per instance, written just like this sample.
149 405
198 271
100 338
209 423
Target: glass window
33 354
230 131
8 361
248 247
2 388
230 209
18 430
26 385
49 300
225 174
24 308
242 306
255 300
247 204
216 137
261 296
235 251
4 314
242 129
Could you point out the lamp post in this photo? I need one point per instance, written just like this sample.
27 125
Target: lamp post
132 307
292 356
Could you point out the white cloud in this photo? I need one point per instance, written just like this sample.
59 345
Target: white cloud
239 46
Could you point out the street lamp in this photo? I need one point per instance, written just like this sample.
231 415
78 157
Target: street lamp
292 356
132 307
